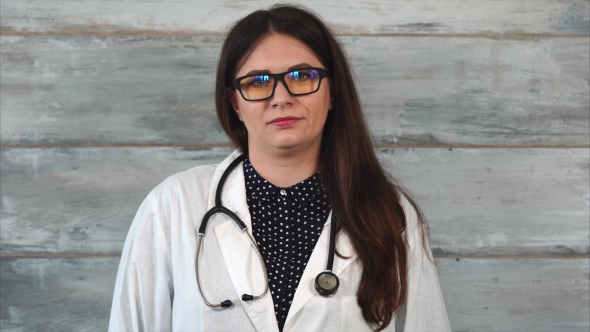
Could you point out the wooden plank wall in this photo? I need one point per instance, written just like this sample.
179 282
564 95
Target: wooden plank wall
481 108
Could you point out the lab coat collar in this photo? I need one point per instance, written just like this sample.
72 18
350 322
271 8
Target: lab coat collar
317 264
243 264
240 258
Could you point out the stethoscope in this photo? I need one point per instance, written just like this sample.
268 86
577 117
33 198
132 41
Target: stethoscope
326 283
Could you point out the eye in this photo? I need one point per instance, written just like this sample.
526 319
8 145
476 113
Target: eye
258 80
302 75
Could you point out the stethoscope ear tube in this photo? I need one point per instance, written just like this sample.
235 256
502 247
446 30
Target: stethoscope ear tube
326 283
219 208
224 304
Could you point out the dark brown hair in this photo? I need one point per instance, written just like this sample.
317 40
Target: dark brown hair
366 202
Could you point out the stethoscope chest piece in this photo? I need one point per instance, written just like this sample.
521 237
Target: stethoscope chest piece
326 284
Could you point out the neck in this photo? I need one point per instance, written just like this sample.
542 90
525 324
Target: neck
284 168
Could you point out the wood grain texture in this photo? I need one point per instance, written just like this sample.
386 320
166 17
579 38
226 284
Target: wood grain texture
82 200
502 17
516 295
61 295
479 202
415 91
480 295
499 201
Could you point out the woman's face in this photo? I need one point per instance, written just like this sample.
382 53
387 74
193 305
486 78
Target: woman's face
284 122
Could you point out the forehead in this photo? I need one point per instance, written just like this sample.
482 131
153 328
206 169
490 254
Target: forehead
276 53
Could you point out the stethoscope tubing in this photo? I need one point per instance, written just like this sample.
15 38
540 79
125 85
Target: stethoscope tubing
219 208
245 297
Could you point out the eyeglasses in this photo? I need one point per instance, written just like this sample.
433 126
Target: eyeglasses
298 82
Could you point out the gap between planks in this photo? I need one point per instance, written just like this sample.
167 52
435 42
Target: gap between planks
55 255
214 146
122 33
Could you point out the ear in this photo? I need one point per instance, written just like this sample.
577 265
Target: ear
231 97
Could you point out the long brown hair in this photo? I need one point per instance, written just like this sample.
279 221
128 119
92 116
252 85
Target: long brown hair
366 202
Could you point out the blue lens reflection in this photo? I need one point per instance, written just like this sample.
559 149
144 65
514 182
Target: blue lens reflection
303 74
260 79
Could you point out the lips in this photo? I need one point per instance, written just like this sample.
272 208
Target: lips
285 122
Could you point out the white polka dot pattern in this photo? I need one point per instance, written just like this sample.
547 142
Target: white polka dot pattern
286 224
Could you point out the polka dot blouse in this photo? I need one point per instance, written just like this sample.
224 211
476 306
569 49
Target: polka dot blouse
286 224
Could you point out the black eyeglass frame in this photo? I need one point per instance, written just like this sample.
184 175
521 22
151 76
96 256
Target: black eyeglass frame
281 77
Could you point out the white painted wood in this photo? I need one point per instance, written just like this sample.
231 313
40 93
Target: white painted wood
416 91
482 73
461 91
348 17
516 295
499 201
56 295
82 200
478 201
480 295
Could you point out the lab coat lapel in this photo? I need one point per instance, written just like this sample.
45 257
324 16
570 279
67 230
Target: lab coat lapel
317 263
240 258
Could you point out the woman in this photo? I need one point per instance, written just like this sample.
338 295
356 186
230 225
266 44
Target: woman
303 177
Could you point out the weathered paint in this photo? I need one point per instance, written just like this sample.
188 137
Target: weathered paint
499 201
478 201
82 200
349 17
424 92
480 295
482 73
60 295
516 295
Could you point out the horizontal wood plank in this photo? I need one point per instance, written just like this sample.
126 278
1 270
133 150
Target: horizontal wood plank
60 295
82 200
77 17
418 92
480 295
499 201
516 295
478 201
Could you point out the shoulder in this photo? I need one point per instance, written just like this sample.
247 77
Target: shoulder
192 185
414 224
196 177
417 231
192 182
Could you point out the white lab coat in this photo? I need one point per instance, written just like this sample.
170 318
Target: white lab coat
156 288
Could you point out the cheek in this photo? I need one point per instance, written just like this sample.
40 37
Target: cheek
318 113
250 114
323 104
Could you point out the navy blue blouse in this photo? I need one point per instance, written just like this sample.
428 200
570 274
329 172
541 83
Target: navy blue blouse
286 224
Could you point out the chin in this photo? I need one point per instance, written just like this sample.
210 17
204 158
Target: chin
287 145
286 139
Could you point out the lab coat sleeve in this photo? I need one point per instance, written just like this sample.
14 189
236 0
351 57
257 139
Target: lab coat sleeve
143 293
424 309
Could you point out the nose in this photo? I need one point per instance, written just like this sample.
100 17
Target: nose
281 97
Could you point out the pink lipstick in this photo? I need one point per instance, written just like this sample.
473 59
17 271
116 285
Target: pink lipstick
284 122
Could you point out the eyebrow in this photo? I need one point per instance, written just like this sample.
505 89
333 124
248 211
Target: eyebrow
301 65
265 71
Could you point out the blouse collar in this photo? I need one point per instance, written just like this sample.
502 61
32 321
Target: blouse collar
261 190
